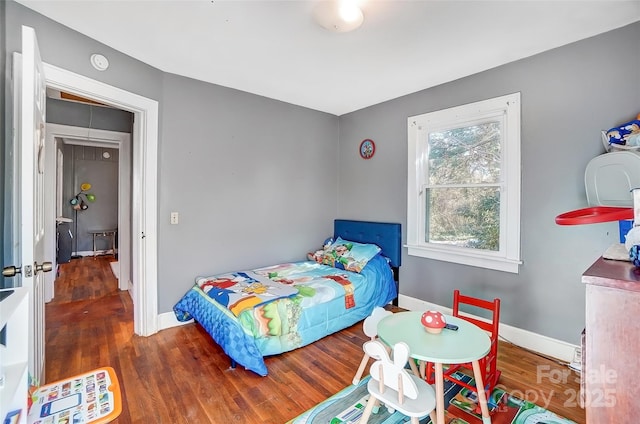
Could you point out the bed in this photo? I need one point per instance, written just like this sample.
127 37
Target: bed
261 312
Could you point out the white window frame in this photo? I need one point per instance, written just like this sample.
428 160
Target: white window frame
508 257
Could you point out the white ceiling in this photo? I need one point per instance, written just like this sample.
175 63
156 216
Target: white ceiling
275 49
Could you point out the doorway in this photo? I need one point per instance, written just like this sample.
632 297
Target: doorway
144 199
56 203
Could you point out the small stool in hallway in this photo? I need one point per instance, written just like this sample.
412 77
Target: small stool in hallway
111 234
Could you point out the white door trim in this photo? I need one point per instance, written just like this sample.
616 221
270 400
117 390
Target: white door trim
145 189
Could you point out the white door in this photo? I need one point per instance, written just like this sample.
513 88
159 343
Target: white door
29 124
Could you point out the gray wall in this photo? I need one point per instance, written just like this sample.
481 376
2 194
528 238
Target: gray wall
88 116
254 181
568 95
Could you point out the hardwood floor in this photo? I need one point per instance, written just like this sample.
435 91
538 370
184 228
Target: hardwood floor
181 376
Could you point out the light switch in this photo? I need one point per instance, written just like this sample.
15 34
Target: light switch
174 218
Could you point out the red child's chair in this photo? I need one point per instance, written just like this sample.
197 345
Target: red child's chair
488 364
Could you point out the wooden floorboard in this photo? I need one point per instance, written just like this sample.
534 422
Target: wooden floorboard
180 375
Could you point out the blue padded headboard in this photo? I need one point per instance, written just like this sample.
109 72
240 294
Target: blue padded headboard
387 235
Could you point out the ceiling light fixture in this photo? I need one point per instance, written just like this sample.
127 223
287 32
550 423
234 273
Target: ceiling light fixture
339 15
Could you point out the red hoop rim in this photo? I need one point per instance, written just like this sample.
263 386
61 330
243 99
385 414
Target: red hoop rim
594 215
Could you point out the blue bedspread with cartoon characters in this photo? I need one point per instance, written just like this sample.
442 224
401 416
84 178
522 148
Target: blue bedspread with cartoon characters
243 290
266 311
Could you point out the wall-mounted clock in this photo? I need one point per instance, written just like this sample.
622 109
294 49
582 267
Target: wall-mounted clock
367 149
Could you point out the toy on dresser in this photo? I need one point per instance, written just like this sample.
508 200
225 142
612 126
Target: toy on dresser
627 134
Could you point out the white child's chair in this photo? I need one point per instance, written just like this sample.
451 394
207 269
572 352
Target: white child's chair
392 385
370 328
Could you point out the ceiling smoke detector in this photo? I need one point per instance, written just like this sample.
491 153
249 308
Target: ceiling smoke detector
99 62
338 15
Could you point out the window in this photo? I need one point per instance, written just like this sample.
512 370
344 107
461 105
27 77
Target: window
464 184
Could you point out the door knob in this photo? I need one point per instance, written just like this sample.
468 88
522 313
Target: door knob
44 267
10 271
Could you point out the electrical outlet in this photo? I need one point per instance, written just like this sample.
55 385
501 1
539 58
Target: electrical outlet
576 364
174 218
577 355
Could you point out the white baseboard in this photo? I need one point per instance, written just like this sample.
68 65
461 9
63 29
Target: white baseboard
537 342
169 320
547 346
84 253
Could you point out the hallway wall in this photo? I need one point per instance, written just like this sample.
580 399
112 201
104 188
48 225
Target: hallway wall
86 164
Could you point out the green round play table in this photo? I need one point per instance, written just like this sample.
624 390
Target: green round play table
468 344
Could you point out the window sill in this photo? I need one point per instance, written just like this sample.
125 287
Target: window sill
463 257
